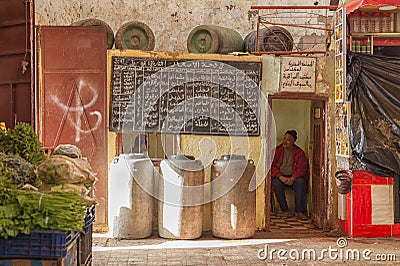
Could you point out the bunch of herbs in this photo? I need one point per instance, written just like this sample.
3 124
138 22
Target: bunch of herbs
22 140
25 210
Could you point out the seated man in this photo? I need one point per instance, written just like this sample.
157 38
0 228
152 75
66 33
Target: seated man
289 168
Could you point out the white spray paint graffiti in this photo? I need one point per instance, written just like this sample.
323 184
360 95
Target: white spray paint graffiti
79 109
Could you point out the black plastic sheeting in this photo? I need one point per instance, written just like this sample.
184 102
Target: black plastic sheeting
373 88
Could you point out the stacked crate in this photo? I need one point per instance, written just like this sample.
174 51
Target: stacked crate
50 247
47 247
85 239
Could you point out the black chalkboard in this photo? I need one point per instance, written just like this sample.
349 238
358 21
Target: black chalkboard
184 96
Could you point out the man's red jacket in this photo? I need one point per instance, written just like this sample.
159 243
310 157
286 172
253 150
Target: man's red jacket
299 162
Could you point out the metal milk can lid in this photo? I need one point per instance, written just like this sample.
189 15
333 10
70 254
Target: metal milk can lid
232 157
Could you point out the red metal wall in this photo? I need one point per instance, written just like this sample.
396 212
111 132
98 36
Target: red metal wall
15 51
72 97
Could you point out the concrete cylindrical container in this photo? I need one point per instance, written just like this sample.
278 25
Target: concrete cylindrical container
271 39
234 213
98 23
180 214
210 39
135 35
130 200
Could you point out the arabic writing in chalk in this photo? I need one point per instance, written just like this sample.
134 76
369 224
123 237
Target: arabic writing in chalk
183 96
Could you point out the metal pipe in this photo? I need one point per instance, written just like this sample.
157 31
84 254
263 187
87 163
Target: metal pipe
298 26
294 7
291 52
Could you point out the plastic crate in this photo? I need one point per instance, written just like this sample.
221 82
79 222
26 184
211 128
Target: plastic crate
70 259
85 239
89 218
46 244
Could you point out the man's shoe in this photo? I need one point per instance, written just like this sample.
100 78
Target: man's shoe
301 216
286 215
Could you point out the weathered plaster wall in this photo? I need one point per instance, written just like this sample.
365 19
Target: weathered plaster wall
171 21
324 87
207 148
326 70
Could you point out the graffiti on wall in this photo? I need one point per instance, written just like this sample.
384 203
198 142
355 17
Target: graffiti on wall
75 109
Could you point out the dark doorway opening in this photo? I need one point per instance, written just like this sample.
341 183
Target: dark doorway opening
306 114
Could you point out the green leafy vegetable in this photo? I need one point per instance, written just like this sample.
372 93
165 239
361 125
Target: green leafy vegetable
18 171
22 140
25 210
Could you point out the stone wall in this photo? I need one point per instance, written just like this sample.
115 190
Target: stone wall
171 21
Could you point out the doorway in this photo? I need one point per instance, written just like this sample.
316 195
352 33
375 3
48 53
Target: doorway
72 98
306 115
16 62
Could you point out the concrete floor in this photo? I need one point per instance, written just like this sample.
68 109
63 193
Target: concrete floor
296 247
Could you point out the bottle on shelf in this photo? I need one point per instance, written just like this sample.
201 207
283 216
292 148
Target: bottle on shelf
355 22
397 22
364 22
376 22
387 25
368 46
357 46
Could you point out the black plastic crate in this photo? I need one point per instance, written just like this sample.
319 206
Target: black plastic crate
85 239
44 244
89 218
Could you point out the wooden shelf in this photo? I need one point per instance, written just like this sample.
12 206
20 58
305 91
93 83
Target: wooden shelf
376 34
379 39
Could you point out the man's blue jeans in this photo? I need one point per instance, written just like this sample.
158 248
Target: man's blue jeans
299 191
